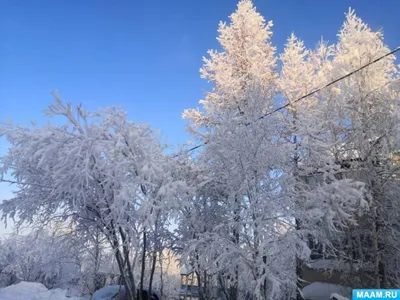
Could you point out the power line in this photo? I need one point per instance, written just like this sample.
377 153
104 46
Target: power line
311 93
191 149
327 85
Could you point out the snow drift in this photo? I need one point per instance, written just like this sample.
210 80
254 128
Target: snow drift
33 291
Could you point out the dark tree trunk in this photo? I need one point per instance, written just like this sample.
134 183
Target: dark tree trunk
153 268
264 290
143 265
160 258
206 293
128 266
299 270
199 283
233 289
223 287
130 292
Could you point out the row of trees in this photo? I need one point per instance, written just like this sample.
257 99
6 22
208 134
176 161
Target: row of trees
61 257
267 184
38 257
263 164
55 256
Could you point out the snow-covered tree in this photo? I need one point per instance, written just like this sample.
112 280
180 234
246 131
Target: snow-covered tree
326 202
246 62
339 134
99 169
242 160
367 104
42 256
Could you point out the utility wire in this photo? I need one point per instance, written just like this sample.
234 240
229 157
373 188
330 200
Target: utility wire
191 149
327 85
311 93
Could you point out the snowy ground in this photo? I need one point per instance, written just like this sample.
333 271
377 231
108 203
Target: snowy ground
33 291
37 291
323 291
108 292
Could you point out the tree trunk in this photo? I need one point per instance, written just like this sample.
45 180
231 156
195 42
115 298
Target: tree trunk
199 280
299 263
233 289
143 265
223 287
96 283
125 248
379 270
299 270
199 283
206 293
153 267
130 293
376 254
160 259
264 290
156 247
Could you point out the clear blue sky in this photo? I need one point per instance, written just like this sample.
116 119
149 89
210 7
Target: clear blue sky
141 55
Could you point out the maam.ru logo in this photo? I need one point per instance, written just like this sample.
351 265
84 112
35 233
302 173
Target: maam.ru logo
376 294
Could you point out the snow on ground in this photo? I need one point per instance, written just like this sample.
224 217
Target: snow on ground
338 297
108 292
33 291
323 291
37 291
